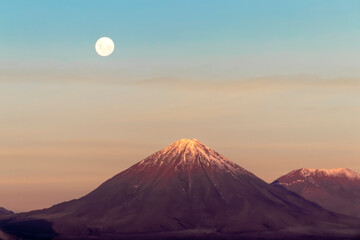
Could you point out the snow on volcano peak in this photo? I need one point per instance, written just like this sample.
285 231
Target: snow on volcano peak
186 145
335 172
190 153
336 189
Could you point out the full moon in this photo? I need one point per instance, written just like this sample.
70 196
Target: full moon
104 46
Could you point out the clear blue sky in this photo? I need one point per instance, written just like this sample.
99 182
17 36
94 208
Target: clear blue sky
185 30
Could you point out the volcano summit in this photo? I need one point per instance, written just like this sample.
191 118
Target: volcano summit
335 189
186 190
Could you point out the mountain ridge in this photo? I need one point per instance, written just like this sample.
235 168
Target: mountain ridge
335 189
4 211
185 187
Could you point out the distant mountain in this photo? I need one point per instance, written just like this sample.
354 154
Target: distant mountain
4 211
186 190
335 189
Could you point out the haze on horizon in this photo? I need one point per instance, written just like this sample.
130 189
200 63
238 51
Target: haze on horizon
271 85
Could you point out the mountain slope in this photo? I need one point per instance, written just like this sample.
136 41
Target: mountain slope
187 187
4 211
335 189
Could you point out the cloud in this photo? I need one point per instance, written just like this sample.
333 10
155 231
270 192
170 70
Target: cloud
113 75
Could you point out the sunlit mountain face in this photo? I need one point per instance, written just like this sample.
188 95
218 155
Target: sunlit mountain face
185 190
335 189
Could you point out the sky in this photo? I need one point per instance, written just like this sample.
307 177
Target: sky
272 85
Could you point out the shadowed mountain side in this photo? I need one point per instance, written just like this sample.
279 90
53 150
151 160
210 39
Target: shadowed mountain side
188 190
4 211
32 229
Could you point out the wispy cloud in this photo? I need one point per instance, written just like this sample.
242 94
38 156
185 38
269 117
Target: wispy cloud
112 75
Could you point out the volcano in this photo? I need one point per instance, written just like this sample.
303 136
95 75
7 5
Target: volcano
184 190
335 189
